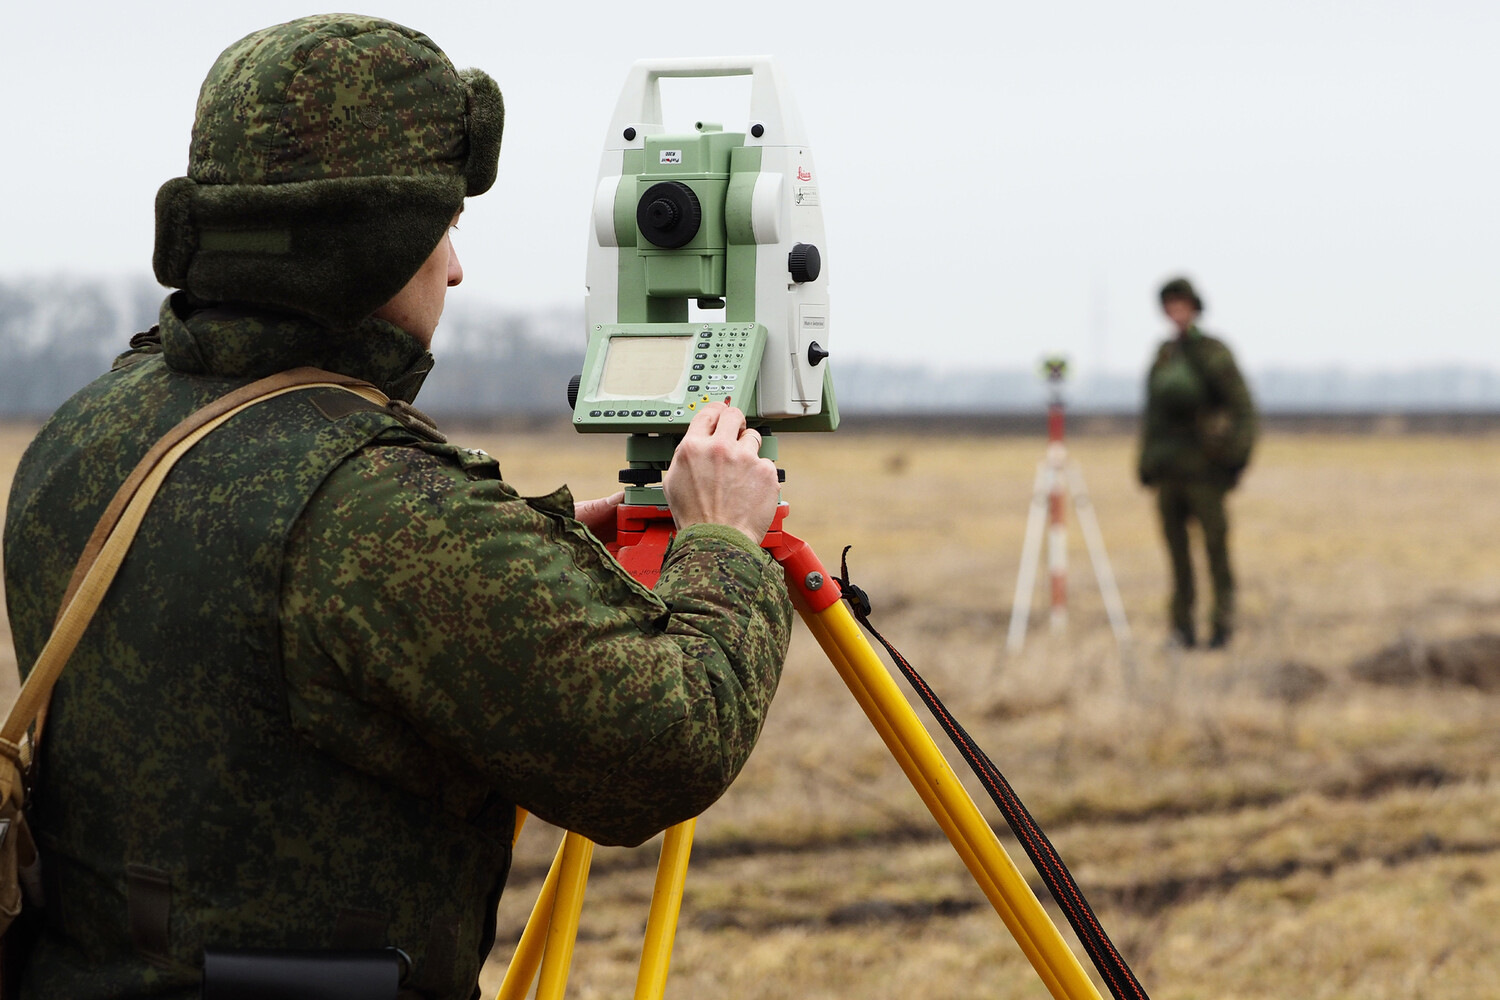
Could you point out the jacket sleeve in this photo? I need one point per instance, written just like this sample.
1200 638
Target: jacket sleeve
1147 463
1231 392
427 606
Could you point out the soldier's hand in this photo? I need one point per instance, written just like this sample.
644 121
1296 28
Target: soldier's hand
599 515
718 477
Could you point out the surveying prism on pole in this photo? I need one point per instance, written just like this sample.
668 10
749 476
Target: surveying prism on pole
1057 479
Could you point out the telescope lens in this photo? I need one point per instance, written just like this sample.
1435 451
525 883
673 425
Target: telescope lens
669 215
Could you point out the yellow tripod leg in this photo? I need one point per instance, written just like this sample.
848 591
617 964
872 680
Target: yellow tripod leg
666 906
521 817
950 804
945 821
661 923
562 929
528 956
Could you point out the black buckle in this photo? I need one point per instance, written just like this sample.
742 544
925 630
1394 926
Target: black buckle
254 974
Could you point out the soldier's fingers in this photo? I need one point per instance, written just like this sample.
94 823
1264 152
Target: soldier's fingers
705 420
731 423
596 512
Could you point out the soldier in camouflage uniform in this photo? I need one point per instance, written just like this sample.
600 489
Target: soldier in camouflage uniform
1196 437
342 651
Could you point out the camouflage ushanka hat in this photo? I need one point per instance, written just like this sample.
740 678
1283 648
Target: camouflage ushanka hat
329 155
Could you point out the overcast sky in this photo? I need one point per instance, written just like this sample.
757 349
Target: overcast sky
1000 181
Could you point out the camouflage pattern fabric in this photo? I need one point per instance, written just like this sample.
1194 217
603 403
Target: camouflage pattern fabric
328 157
338 656
1200 422
319 98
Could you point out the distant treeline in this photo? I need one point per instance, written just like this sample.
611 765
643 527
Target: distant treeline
878 389
57 335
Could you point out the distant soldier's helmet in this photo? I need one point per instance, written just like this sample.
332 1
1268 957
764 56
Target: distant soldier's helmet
1181 289
329 156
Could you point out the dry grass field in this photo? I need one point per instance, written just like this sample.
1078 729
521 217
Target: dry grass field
1241 832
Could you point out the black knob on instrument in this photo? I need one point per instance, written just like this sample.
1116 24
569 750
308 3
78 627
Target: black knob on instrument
804 262
640 477
669 215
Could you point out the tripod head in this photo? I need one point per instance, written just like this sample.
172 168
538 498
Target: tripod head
727 221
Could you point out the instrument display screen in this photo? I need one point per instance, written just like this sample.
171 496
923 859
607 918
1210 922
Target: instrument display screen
644 367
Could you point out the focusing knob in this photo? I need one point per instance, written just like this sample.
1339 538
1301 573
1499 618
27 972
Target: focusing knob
663 215
640 477
668 214
573 390
816 352
804 262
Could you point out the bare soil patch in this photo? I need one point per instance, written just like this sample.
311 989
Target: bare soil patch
1470 661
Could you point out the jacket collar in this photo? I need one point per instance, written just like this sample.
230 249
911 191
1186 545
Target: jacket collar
225 341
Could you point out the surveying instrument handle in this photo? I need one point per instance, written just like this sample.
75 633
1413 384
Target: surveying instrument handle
640 98
546 945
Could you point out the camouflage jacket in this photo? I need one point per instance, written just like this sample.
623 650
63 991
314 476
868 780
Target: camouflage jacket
1200 423
338 655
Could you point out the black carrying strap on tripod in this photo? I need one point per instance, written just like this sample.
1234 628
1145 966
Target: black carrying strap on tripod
1059 881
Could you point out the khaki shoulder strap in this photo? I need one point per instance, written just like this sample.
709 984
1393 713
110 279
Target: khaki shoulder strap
116 530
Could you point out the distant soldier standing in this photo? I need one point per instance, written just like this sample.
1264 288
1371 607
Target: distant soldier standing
1196 436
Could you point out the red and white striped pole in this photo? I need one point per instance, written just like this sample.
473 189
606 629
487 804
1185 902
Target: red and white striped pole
1057 526
1058 479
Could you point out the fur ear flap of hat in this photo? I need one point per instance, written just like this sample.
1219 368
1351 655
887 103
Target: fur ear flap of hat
334 250
329 156
486 123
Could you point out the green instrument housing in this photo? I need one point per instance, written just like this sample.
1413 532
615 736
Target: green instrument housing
656 283
729 221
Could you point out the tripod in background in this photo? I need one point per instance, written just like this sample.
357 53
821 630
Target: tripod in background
1058 478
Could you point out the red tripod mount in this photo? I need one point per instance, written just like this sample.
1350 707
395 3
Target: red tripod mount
644 531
